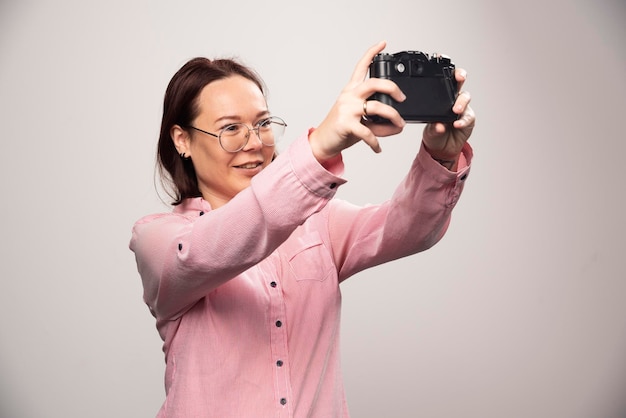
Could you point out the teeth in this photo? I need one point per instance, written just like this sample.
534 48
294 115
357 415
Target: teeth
250 165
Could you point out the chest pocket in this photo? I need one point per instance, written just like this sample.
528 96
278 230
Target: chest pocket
309 259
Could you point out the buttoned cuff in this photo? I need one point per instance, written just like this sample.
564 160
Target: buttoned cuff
323 180
443 174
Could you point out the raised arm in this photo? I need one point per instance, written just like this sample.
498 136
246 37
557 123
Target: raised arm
182 258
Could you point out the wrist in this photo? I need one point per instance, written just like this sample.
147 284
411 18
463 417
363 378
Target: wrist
320 154
451 162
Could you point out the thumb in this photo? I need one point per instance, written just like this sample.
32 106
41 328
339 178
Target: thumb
434 130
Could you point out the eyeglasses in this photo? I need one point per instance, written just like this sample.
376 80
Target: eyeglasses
234 137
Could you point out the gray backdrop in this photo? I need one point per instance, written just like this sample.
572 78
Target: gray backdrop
519 312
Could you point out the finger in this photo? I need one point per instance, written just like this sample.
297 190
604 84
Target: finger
385 111
381 130
367 136
462 101
380 85
438 128
460 76
430 131
362 67
467 119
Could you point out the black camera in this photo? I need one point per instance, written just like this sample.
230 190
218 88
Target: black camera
427 81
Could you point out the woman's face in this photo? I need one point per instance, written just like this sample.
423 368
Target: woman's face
221 174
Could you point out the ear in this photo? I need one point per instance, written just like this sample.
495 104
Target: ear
181 140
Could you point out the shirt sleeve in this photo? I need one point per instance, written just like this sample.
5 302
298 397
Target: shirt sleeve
413 220
181 259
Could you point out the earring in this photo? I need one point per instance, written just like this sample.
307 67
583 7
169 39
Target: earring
184 157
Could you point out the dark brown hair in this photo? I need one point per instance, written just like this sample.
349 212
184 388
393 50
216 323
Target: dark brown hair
180 107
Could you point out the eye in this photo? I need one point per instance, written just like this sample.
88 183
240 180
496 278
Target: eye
232 129
265 123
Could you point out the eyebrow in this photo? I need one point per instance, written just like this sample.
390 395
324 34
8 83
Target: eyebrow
238 118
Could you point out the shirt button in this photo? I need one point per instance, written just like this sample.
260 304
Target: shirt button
279 324
283 401
333 185
201 213
180 247
273 284
279 363
463 177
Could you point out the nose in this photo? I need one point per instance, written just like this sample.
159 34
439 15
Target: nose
254 141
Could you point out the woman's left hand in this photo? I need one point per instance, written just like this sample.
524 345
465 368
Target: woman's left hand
445 141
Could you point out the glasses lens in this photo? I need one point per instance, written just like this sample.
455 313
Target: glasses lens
234 137
271 130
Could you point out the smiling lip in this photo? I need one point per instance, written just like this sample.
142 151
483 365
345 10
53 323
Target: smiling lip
251 168
250 165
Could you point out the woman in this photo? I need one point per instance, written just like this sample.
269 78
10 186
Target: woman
243 277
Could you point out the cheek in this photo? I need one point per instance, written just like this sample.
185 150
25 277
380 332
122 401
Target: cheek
269 154
208 155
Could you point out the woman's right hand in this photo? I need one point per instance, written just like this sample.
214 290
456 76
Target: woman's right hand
344 125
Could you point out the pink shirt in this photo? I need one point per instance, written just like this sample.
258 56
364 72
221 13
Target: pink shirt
246 297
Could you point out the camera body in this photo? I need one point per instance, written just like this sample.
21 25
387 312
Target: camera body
427 81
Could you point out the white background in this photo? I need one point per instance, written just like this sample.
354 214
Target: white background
519 312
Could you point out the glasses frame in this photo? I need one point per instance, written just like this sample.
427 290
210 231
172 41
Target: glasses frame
274 119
